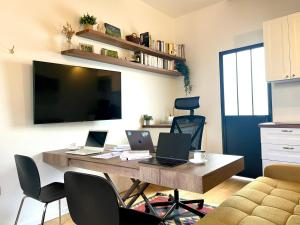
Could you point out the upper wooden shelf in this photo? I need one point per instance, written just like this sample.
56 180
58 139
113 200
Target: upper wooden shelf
118 42
115 61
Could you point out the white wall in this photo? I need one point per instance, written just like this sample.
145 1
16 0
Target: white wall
286 105
34 27
223 26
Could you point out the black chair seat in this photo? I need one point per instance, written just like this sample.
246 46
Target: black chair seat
52 192
133 217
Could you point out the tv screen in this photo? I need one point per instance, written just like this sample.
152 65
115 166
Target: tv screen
64 93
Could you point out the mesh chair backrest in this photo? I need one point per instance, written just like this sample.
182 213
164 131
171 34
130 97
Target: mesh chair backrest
187 103
91 200
29 176
190 125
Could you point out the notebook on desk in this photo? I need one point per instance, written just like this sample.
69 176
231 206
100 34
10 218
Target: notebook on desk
172 150
94 144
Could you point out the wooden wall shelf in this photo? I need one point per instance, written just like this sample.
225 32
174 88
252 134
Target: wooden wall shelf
118 42
115 61
162 125
157 126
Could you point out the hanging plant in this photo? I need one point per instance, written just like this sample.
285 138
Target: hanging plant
184 70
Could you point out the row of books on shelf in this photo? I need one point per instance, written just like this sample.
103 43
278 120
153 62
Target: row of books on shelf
157 62
169 48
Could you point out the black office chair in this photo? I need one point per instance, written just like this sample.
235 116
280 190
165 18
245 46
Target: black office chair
92 201
30 183
190 124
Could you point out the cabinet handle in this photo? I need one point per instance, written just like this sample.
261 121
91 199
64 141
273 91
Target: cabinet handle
288 148
286 131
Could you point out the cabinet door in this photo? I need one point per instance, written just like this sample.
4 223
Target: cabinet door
276 40
294 35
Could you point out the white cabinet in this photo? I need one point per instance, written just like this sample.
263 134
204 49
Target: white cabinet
294 38
280 145
280 136
282 47
277 46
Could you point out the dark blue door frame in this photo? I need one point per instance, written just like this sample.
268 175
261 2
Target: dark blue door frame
238 132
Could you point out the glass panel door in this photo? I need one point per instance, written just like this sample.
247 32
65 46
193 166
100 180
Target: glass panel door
246 102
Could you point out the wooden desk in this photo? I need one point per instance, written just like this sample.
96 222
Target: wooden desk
189 177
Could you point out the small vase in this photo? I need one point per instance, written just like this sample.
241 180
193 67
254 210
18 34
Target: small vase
88 26
147 122
68 45
170 119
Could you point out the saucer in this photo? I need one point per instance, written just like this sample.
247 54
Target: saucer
197 161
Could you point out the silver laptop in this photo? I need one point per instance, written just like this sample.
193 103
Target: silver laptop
94 144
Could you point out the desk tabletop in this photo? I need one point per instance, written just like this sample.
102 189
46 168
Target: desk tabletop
189 176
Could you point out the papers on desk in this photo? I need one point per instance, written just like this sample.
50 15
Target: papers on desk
117 148
108 155
124 155
134 155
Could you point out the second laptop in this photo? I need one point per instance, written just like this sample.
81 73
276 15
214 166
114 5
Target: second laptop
172 150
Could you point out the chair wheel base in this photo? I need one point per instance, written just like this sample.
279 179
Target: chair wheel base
200 205
174 202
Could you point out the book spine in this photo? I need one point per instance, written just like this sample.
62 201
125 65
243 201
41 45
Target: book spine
142 58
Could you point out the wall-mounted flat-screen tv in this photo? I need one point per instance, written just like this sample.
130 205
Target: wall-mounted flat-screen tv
64 93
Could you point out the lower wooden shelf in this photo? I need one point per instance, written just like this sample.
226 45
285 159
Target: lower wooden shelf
115 61
162 125
157 126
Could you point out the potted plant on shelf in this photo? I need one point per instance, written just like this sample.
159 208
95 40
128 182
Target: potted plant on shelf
88 21
147 119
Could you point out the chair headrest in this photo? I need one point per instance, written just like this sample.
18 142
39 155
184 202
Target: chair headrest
187 103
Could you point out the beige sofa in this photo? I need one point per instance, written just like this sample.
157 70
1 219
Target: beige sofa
270 200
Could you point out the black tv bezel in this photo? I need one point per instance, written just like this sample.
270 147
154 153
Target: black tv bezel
79 121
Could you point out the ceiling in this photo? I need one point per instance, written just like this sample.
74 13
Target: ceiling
176 8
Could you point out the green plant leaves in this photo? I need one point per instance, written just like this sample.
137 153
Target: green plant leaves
184 70
87 19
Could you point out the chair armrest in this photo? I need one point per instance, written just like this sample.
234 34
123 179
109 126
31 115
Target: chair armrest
288 172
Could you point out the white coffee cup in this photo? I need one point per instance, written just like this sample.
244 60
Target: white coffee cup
200 155
197 156
73 146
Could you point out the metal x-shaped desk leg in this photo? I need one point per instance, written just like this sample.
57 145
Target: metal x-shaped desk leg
129 193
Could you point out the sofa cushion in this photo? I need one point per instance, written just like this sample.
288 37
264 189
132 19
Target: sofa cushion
265 201
293 220
254 220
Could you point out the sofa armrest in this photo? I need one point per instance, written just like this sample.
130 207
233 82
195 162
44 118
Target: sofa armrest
288 172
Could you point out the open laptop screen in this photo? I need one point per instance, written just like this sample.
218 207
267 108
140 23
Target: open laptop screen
174 146
96 139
